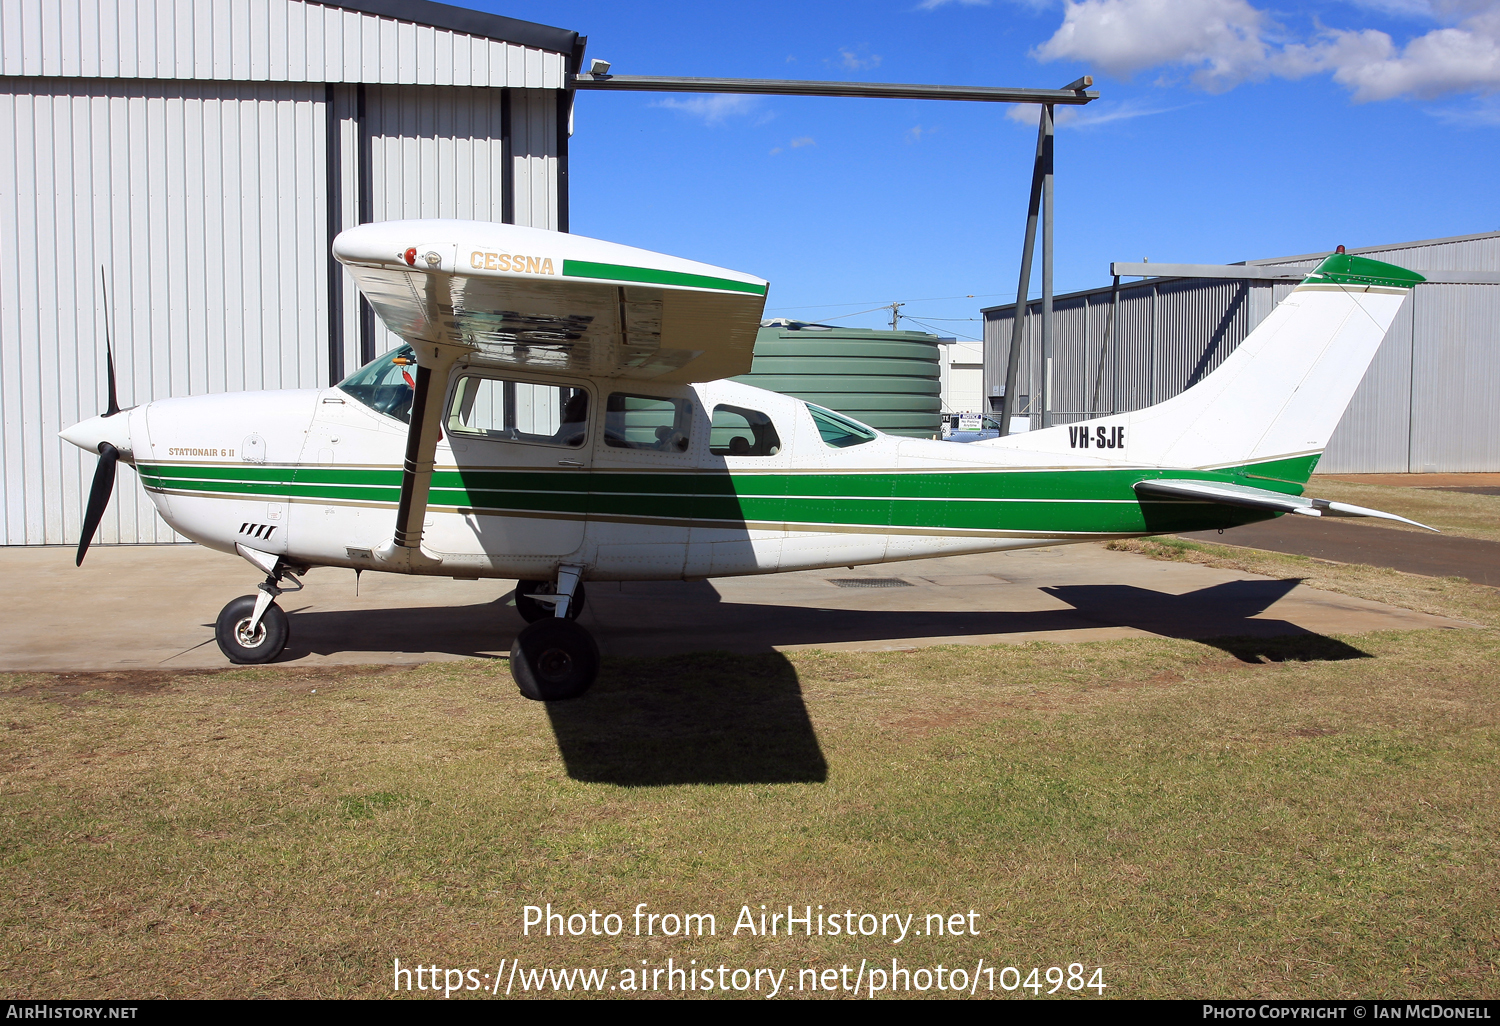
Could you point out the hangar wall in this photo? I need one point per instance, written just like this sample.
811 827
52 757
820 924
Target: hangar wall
1426 405
204 154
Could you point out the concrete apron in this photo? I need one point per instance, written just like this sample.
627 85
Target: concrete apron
153 607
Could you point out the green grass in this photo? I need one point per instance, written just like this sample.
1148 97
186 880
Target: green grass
1196 824
1444 596
1452 512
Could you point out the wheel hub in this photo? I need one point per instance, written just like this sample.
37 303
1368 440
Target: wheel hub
554 664
246 637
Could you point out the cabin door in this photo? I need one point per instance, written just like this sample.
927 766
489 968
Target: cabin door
516 465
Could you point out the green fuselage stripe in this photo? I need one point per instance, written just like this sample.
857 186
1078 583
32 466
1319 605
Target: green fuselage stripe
1028 501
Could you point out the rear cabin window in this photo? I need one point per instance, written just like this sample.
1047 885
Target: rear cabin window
519 411
647 422
839 432
741 432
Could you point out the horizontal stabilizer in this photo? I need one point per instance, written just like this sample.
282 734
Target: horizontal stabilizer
1261 498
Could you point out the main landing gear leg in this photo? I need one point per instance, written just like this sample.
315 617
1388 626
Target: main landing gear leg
537 600
554 658
253 628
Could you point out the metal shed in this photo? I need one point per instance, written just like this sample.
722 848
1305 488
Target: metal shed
204 153
1429 403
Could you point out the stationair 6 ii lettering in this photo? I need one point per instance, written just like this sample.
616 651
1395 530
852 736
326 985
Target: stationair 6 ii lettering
558 414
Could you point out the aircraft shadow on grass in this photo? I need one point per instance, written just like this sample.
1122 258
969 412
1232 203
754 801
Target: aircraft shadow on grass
712 716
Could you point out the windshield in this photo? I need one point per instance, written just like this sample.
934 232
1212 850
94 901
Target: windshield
386 384
839 432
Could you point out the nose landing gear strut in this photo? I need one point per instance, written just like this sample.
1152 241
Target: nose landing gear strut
253 628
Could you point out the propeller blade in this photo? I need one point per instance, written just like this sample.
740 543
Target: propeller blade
104 485
109 363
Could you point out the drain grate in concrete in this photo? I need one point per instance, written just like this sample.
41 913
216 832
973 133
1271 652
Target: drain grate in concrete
869 582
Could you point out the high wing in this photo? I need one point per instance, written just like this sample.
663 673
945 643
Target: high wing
1260 498
505 295
521 297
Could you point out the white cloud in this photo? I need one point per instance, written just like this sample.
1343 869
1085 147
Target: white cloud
1457 59
1097 113
713 109
929 5
1219 39
796 144
852 60
1483 114
917 133
1399 8
1226 42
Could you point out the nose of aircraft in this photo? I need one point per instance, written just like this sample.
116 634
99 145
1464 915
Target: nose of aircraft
88 434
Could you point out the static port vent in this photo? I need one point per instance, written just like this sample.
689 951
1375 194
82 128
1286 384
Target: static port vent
261 531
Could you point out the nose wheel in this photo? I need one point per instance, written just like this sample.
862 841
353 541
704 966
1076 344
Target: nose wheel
253 628
244 639
553 659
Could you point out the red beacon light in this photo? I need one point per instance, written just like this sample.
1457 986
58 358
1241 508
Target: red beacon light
411 256
1339 251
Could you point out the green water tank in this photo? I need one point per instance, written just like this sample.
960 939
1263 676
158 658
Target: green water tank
890 380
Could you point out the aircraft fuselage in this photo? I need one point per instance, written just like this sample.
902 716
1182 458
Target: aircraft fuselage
650 485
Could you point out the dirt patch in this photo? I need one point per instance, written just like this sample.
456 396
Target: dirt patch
146 683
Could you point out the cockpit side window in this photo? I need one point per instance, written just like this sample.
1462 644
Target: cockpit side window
839 432
741 432
519 411
386 384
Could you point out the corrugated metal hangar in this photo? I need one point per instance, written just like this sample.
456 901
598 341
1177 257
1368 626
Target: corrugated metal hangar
1427 405
205 153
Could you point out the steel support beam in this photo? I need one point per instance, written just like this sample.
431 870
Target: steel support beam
1120 269
780 87
1256 273
1048 132
1023 288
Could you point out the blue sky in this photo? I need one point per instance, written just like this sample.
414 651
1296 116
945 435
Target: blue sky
1226 130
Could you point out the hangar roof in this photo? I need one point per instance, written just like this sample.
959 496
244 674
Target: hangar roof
1472 258
394 42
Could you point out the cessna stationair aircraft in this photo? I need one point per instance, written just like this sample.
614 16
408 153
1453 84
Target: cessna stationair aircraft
558 414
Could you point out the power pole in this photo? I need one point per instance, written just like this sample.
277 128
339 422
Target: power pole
896 315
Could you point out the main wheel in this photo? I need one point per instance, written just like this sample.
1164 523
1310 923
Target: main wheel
554 659
531 610
239 643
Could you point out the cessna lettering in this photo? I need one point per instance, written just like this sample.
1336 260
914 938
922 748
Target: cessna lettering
480 260
1101 437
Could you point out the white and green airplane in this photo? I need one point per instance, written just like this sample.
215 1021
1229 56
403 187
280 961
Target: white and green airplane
559 414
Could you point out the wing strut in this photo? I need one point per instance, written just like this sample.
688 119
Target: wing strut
405 547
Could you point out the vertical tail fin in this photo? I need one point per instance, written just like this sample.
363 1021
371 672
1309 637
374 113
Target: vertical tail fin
1281 393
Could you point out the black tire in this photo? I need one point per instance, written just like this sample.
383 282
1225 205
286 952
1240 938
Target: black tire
554 660
531 610
267 642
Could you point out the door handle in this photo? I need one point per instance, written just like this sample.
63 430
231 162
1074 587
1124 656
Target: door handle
570 463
